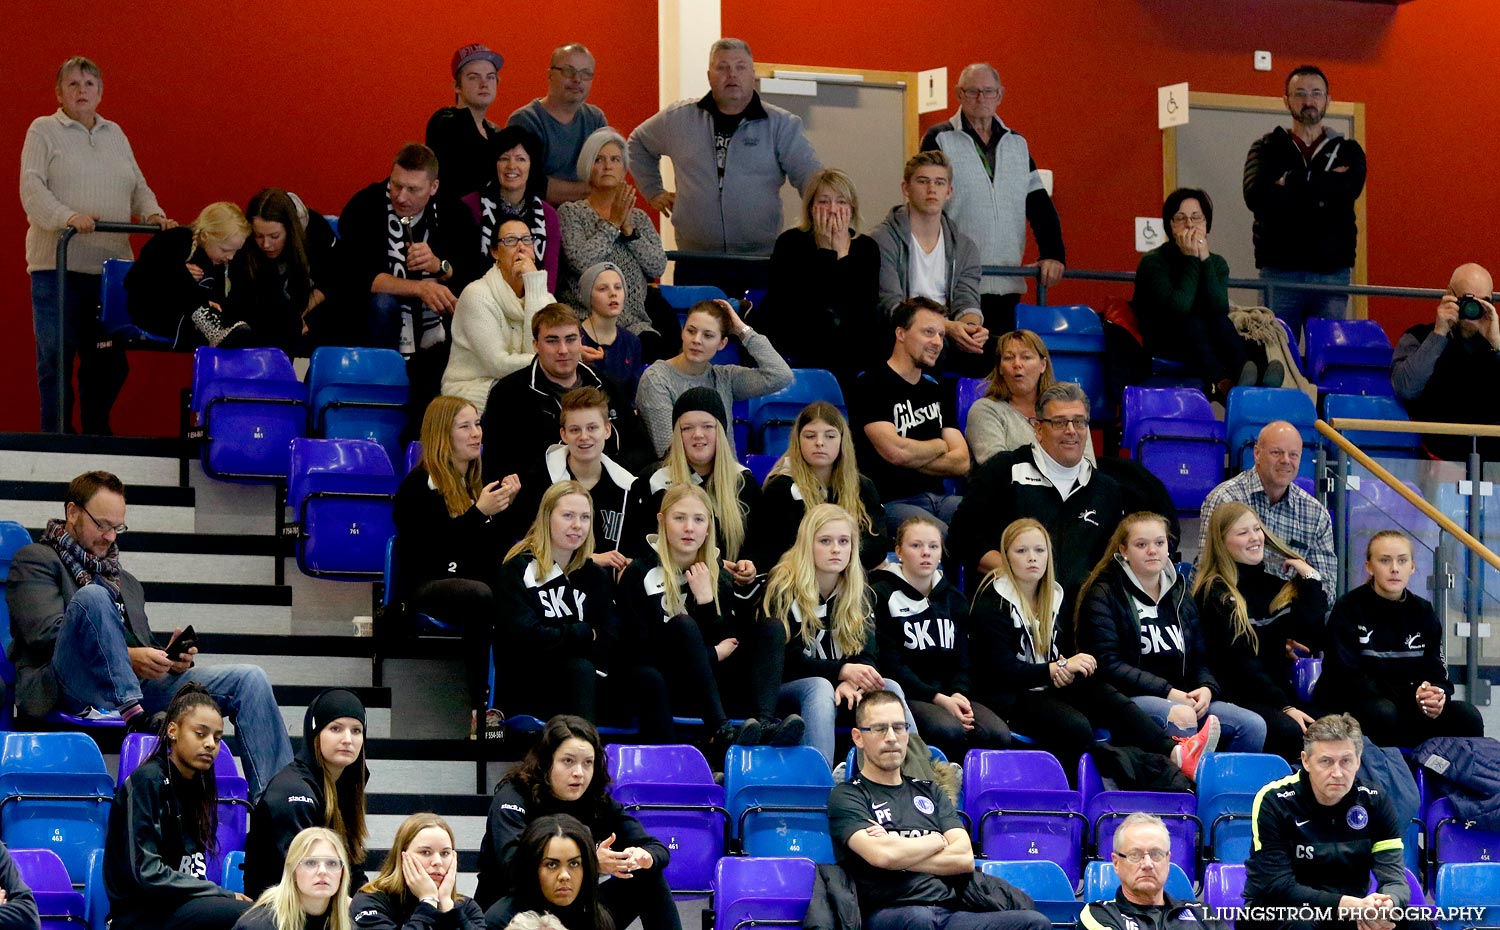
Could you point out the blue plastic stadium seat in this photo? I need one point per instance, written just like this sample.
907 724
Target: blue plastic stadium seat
414 623
740 415
234 872
341 491
998 785
1045 881
56 902
969 390
55 794
333 222
1227 785
413 455
250 406
762 892
95 897
1377 445
760 465
1106 809
681 297
1224 884
778 800
1100 881
1307 670
114 307
12 537
1333 345
772 415
671 790
852 762
358 393
1074 337
1174 434
1250 408
1465 884
1451 839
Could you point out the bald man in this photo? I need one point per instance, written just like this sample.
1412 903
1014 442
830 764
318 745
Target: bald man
1443 370
996 192
1293 515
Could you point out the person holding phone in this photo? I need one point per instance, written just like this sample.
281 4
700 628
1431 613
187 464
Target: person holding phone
450 536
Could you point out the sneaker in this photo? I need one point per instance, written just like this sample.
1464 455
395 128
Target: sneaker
751 733
787 733
1248 376
727 735
1190 750
1275 375
210 325
839 771
94 713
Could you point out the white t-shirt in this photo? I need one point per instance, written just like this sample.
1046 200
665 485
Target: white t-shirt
929 271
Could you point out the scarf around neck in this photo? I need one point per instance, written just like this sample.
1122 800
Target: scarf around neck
82 565
495 209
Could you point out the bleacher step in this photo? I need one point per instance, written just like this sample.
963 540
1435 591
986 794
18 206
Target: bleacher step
151 508
134 470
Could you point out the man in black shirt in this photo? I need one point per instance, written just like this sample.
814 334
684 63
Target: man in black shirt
1143 860
904 434
460 134
900 839
1317 836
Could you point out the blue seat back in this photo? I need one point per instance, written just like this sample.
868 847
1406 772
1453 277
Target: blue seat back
358 393
1174 434
772 415
1463 884
1224 884
1378 445
341 491
95 897
750 891
1106 810
1227 785
1045 881
56 902
415 622
1074 337
1367 382
760 465
1452 839
1250 408
1307 669
795 778
1100 881
12 537
234 872
671 790
681 297
251 406
996 784
114 306
55 794
1347 344
413 455
969 390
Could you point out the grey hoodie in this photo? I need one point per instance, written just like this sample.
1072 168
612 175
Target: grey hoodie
893 236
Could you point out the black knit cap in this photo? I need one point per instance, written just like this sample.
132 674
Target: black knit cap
331 705
700 398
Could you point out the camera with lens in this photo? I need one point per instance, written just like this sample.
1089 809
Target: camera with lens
1469 308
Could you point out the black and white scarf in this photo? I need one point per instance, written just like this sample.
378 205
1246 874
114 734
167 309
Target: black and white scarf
430 331
82 565
494 210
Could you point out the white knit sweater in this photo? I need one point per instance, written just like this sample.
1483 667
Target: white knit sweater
492 333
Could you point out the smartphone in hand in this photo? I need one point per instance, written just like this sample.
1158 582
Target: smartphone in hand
177 649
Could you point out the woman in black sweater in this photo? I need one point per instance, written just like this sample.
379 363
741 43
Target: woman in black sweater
415 887
922 626
1385 663
162 828
313 893
1252 620
284 273
450 534
565 773
179 286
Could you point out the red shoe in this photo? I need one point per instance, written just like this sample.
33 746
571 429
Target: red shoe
1191 750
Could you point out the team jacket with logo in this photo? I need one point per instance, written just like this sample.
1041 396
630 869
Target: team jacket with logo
1121 914
1005 646
549 612
822 658
1304 852
924 639
641 599
1382 648
1144 647
376 910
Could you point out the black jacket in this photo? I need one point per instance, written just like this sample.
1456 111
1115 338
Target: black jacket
291 803
363 252
433 545
645 503
823 659
826 306
377 910
924 640
161 290
1002 645
152 865
640 600
19 911
466 160
521 417
835 900
1263 674
1381 648
528 604
272 304
1304 208
1120 914
1109 628
512 811
1444 394
780 512
263 918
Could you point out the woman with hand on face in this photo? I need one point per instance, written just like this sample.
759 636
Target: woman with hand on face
824 282
1001 420
1254 622
607 226
516 193
564 777
1135 615
450 532
323 787
1055 698
313 893
607 346
162 828
922 625
415 887
283 273
492 324
180 286
1385 663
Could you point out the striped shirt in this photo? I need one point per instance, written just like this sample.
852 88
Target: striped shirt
68 169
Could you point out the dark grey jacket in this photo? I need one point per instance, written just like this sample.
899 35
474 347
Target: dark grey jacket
38 591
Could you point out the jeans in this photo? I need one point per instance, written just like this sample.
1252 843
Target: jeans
92 665
386 311
1240 730
1296 306
941 507
101 372
814 700
930 917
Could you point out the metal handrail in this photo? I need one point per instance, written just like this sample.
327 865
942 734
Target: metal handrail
1414 426
64 375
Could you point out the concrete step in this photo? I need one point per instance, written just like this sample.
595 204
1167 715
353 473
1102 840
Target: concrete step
293 669
134 470
199 557
150 508
220 608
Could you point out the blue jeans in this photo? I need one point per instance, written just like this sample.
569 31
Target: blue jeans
1240 730
1295 307
101 371
941 507
384 321
92 665
814 700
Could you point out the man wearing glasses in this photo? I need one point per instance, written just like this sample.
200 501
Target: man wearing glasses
83 644
996 192
1143 859
903 844
562 120
1301 184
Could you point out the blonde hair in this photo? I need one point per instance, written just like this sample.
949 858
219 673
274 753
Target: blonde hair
840 183
723 486
998 387
538 539
1117 541
1038 615
794 582
283 899
459 491
220 222
843 479
708 553
1215 564
391 880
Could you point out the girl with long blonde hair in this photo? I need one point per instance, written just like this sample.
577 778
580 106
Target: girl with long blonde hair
313 893
179 287
417 882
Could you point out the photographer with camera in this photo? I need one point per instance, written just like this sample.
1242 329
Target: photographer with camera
1438 366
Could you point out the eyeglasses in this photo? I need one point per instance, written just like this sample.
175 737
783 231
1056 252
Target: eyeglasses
104 527
511 242
1183 219
979 93
1062 424
326 865
1309 94
881 729
1135 856
570 72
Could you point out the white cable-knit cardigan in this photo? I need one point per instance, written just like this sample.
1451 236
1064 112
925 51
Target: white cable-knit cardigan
492 333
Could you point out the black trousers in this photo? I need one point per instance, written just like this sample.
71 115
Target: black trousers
1283 735
750 679
644 895
941 729
216 913
1064 720
545 686
471 605
686 662
1388 723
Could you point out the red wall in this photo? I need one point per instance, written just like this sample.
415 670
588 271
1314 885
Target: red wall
220 99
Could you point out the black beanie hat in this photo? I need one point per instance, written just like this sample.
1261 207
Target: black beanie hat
331 705
700 398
